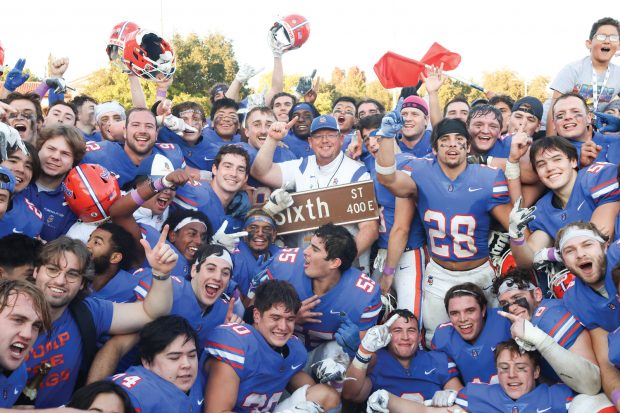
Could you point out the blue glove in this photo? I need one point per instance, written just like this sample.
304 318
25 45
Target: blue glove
239 206
606 123
257 280
16 77
392 122
348 336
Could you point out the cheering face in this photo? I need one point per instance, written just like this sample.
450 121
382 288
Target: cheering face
570 118
281 107
60 280
519 302
19 328
211 280
466 316
188 239
231 173
344 112
405 338
457 110
192 118
367 109
106 121
160 202
316 263
21 165
56 157
452 150
371 142
141 132
519 119
304 120
326 144
260 236
484 131
24 120
585 258
258 125
100 246
603 51
177 363
517 373
60 115
554 169
414 123
275 324
226 122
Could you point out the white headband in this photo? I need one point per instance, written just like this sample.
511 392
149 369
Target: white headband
578 232
225 256
509 285
187 221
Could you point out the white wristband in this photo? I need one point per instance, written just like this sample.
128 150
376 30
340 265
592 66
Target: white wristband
167 183
513 171
385 170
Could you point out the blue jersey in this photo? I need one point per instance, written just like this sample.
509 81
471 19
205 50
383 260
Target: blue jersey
456 214
195 155
598 138
199 197
281 154
387 203
475 361
94 137
57 216
421 149
119 289
355 294
613 344
299 146
592 309
247 266
62 348
11 384
594 186
552 317
482 398
186 305
150 393
182 268
112 156
243 348
23 218
501 148
214 143
428 372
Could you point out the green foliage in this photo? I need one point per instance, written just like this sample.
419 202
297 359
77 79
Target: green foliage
452 88
376 91
538 87
112 84
504 82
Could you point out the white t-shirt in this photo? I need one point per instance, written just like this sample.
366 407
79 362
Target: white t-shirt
577 77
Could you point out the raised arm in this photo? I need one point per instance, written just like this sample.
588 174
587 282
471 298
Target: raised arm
263 167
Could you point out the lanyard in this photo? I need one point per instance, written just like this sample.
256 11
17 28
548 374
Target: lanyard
595 87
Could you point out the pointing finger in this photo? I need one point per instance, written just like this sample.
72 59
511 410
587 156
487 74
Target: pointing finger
509 316
163 237
392 320
292 122
239 234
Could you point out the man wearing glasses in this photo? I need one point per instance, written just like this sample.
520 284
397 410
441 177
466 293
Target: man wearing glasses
64 269
328 166
594 77
28 115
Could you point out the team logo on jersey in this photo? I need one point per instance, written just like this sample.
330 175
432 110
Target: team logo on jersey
50 218
611 306
429 280
475 351
105 174
540 310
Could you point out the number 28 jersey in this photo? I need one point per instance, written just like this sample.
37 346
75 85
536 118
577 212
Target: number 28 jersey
456 214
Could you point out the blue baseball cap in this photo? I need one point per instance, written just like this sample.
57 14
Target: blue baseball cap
7 179
324 122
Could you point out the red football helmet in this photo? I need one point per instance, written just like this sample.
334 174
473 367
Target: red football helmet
90 190
290 32
149 56
116 43
561 281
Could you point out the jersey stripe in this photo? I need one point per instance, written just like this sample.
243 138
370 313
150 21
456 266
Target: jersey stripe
605 188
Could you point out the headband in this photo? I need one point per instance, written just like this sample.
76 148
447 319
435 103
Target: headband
578 232
510 285
259 218
413 103
186 221
452 126
224 256
112 106
302 106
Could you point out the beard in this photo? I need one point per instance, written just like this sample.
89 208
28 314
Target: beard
101 264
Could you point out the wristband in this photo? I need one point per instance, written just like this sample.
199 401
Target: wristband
615 396
388 270
512 171
360 361
41 89
161 93
167 183
385 170
517 241
159 276
136 197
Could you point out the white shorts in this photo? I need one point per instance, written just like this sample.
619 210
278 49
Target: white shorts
437 282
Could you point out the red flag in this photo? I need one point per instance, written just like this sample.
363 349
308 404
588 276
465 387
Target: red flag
394 70
438 54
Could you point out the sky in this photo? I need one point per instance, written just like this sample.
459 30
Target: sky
529 37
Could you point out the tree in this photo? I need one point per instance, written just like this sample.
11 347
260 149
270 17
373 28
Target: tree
112 84
538 87
504 82
353 84
453 88
375 90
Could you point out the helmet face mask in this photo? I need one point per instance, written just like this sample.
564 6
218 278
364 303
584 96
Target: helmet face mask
90 190
290 32
116 42
149 56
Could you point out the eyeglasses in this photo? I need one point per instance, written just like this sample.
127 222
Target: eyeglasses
328 136
613 38
24 115
72 276
345 112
